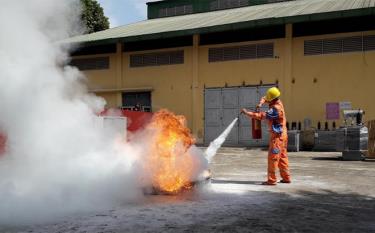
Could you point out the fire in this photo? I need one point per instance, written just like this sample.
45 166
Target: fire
170 165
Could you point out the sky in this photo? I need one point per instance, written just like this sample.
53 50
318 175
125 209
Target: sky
121 12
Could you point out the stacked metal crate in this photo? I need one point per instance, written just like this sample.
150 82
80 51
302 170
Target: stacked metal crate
325 141
352 142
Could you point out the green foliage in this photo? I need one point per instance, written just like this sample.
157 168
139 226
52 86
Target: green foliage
93 16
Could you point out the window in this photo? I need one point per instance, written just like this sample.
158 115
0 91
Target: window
254 51
339 45
98 63
135 100
157 59
176 10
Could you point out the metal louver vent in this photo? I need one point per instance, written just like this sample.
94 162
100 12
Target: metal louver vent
265 50
163 12
188 9
98 63
369 43
313 47
339 45
248 52
214 5
273 1
352 44
226 4
176 57
150 59
171 11
136 60
157 59
244 2
176 10
255 51
215 54
231 53
332 46
163 59
179 10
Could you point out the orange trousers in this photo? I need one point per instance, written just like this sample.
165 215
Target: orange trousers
278 158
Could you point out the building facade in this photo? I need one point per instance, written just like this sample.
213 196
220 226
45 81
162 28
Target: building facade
208 59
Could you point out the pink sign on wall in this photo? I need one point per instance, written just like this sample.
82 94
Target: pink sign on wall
333 111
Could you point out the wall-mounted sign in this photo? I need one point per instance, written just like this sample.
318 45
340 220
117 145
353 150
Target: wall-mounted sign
332 111
346 105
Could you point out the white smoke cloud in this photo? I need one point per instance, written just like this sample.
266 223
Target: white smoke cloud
56 163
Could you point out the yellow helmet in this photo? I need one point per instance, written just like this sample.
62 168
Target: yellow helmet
272 94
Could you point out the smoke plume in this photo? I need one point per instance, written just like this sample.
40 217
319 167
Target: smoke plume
215 145
56 162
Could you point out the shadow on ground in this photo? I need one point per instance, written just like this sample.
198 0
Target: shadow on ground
259 148
321 211
215 181
340 159
335 158
218 210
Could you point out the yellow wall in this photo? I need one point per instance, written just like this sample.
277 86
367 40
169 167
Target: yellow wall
235 73
111 99
102 79
171 84
340 77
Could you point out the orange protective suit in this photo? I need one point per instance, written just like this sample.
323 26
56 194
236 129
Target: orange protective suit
277 153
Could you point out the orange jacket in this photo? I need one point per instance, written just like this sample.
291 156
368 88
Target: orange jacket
276 118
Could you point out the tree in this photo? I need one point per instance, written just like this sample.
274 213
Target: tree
93 16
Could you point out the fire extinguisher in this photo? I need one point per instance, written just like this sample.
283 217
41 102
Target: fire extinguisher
256 128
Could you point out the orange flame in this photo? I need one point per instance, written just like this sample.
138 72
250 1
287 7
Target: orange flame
170 165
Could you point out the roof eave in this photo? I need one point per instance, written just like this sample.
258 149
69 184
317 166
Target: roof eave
240 25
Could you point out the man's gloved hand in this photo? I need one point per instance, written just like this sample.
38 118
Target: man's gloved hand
261 102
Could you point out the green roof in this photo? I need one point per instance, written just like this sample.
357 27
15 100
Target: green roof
199 6
244 17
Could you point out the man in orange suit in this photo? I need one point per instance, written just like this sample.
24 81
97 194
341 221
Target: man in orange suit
277 153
